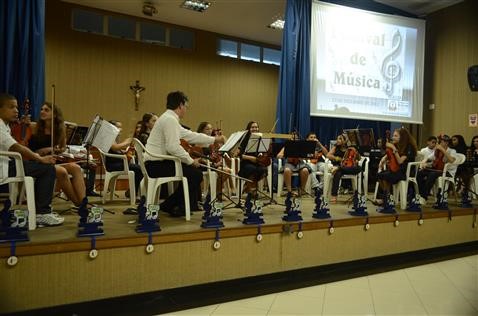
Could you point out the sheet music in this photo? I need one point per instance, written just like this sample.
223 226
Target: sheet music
101 134
232 141
257 144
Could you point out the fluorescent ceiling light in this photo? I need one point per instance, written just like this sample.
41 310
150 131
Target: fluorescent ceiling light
277 24
196 5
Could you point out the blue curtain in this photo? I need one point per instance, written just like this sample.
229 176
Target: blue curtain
22 52
294 80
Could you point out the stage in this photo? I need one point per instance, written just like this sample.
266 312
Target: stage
54 267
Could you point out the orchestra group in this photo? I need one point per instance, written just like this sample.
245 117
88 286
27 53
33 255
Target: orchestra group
164 135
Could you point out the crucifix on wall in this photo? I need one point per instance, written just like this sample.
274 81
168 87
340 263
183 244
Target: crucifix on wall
137 89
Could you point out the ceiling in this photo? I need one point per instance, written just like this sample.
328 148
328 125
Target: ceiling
420 8
246 19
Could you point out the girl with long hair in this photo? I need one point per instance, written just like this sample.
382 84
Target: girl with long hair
40 142
401 151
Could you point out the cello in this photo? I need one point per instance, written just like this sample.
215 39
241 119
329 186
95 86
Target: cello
21 131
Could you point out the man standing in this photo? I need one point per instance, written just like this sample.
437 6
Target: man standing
165 140
40 168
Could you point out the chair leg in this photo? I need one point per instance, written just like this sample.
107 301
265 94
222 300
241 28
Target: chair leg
106 185
403 187
187 206
280 183
30 193
375 193
213 184
132 188
13 192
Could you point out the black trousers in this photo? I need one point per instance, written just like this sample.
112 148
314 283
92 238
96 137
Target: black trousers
194 176
44 176
426 179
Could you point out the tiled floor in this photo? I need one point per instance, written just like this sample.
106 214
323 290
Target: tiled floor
443 288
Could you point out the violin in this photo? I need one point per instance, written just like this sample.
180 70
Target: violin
293 161
130 152
438 163
79 159
350 157
197 152
264 159
217 131
193 150
316 158
21 131
392 162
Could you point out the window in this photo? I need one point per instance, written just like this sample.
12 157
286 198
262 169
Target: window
181 39
250 52
153 33
87 21
271 56
227 48
121 27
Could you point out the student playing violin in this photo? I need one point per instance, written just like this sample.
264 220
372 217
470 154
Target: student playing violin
344 160
115 164
317 163
40 142
399 153
216 161
294 165
432 168
251 167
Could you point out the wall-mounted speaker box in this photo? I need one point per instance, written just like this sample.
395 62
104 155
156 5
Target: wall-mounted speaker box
473 77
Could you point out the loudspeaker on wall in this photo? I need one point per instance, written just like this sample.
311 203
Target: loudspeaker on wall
473 77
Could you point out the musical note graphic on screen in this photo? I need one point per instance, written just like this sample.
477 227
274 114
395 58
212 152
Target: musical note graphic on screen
391 69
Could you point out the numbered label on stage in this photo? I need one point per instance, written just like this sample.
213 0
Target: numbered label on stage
95 215
152 212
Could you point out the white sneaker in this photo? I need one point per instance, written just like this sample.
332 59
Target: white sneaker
422 201
49 219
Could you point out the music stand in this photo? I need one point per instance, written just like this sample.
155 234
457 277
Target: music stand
256 145
101 134
299 149
232 142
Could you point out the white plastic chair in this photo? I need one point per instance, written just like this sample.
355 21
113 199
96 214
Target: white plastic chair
444 179
112 176
27 188
326 177
260 184
400 189
354 177
308 185
210 181
153 185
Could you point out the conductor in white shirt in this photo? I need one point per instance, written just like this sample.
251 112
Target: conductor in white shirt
164 139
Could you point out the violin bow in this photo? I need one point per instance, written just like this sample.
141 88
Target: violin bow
221 171
52 117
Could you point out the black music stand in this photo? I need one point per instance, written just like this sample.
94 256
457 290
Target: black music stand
253 145
232 142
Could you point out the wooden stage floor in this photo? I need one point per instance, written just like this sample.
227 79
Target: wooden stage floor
120 229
